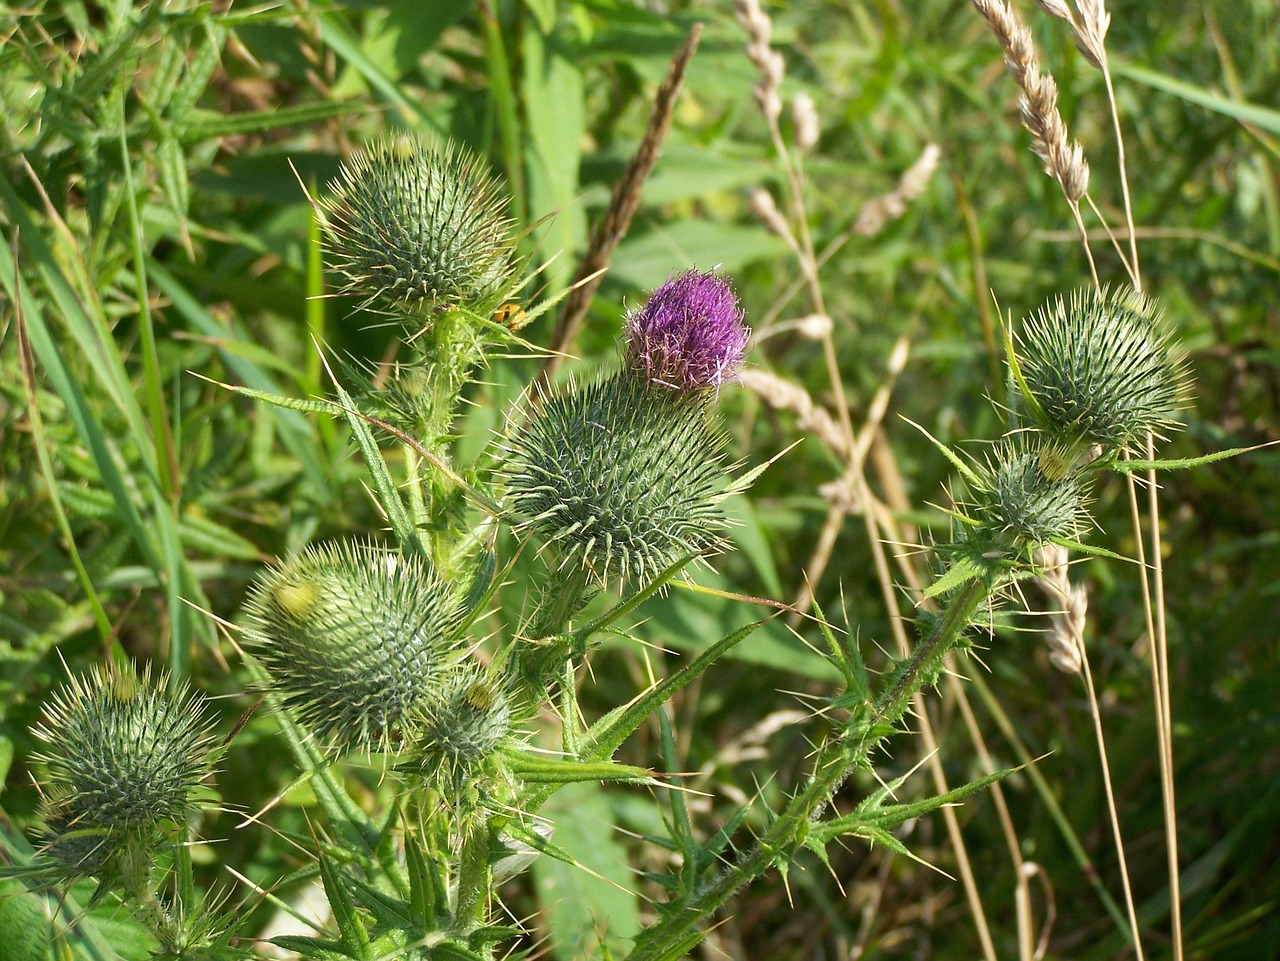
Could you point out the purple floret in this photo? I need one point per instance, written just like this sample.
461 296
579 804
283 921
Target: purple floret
690 335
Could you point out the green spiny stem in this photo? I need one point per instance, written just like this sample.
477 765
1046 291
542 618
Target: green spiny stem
787 834
136 864
475 878
562 598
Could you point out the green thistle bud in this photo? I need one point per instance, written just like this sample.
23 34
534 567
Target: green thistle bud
1100 368
462 728
124 758
419 227
356 638
1025 498
621 478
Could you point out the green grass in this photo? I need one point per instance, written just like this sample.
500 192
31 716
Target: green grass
154 231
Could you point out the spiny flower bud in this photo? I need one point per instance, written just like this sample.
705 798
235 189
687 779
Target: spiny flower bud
619 478
689 336
1100 368
357 638
463 727
1026 498
124 757
419 227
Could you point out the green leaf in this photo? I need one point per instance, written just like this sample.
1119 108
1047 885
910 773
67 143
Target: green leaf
1262 117
1133 466
590 901
542 769
554 125
354 936
608 733
544 12
965 569
646 260
210 124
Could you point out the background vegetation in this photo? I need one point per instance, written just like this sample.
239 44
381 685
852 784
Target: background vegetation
157 236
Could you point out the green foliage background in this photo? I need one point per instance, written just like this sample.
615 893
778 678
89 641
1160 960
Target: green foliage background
157 237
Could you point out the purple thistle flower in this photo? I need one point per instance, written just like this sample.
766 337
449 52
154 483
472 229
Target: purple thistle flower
690 334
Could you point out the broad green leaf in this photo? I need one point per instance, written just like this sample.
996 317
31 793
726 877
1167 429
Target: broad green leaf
594 901
1263 117
646 260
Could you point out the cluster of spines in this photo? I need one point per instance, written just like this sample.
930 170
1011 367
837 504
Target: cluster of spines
1100 368
1028 495
623 478
356 637
124 757
619 478
419 227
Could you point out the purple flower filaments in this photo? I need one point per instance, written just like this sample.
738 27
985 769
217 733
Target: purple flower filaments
690 335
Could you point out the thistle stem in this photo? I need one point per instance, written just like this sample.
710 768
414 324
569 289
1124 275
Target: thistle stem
788 832
474 879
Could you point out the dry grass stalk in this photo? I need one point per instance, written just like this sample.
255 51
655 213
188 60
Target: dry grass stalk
810 417
804 121
623 203
1063 158
767 61
878 212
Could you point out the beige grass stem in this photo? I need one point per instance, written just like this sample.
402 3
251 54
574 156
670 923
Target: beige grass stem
623 203
1096 714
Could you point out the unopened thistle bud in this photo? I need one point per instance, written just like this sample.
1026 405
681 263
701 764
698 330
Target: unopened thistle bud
624 477
463 727
689 335
1027 498
124 757
419 227
1100 368
356 638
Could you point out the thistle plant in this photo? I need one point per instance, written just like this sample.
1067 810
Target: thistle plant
419 228
1098 368
420 231
125 758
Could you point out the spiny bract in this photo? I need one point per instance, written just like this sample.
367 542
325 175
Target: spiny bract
124 756
356 638
1101 368
419 227
620 478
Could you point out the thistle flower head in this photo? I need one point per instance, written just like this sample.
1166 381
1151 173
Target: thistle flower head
419 227
689 335
619 479
124 756
1100 368
356 638
462 728
1026 497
